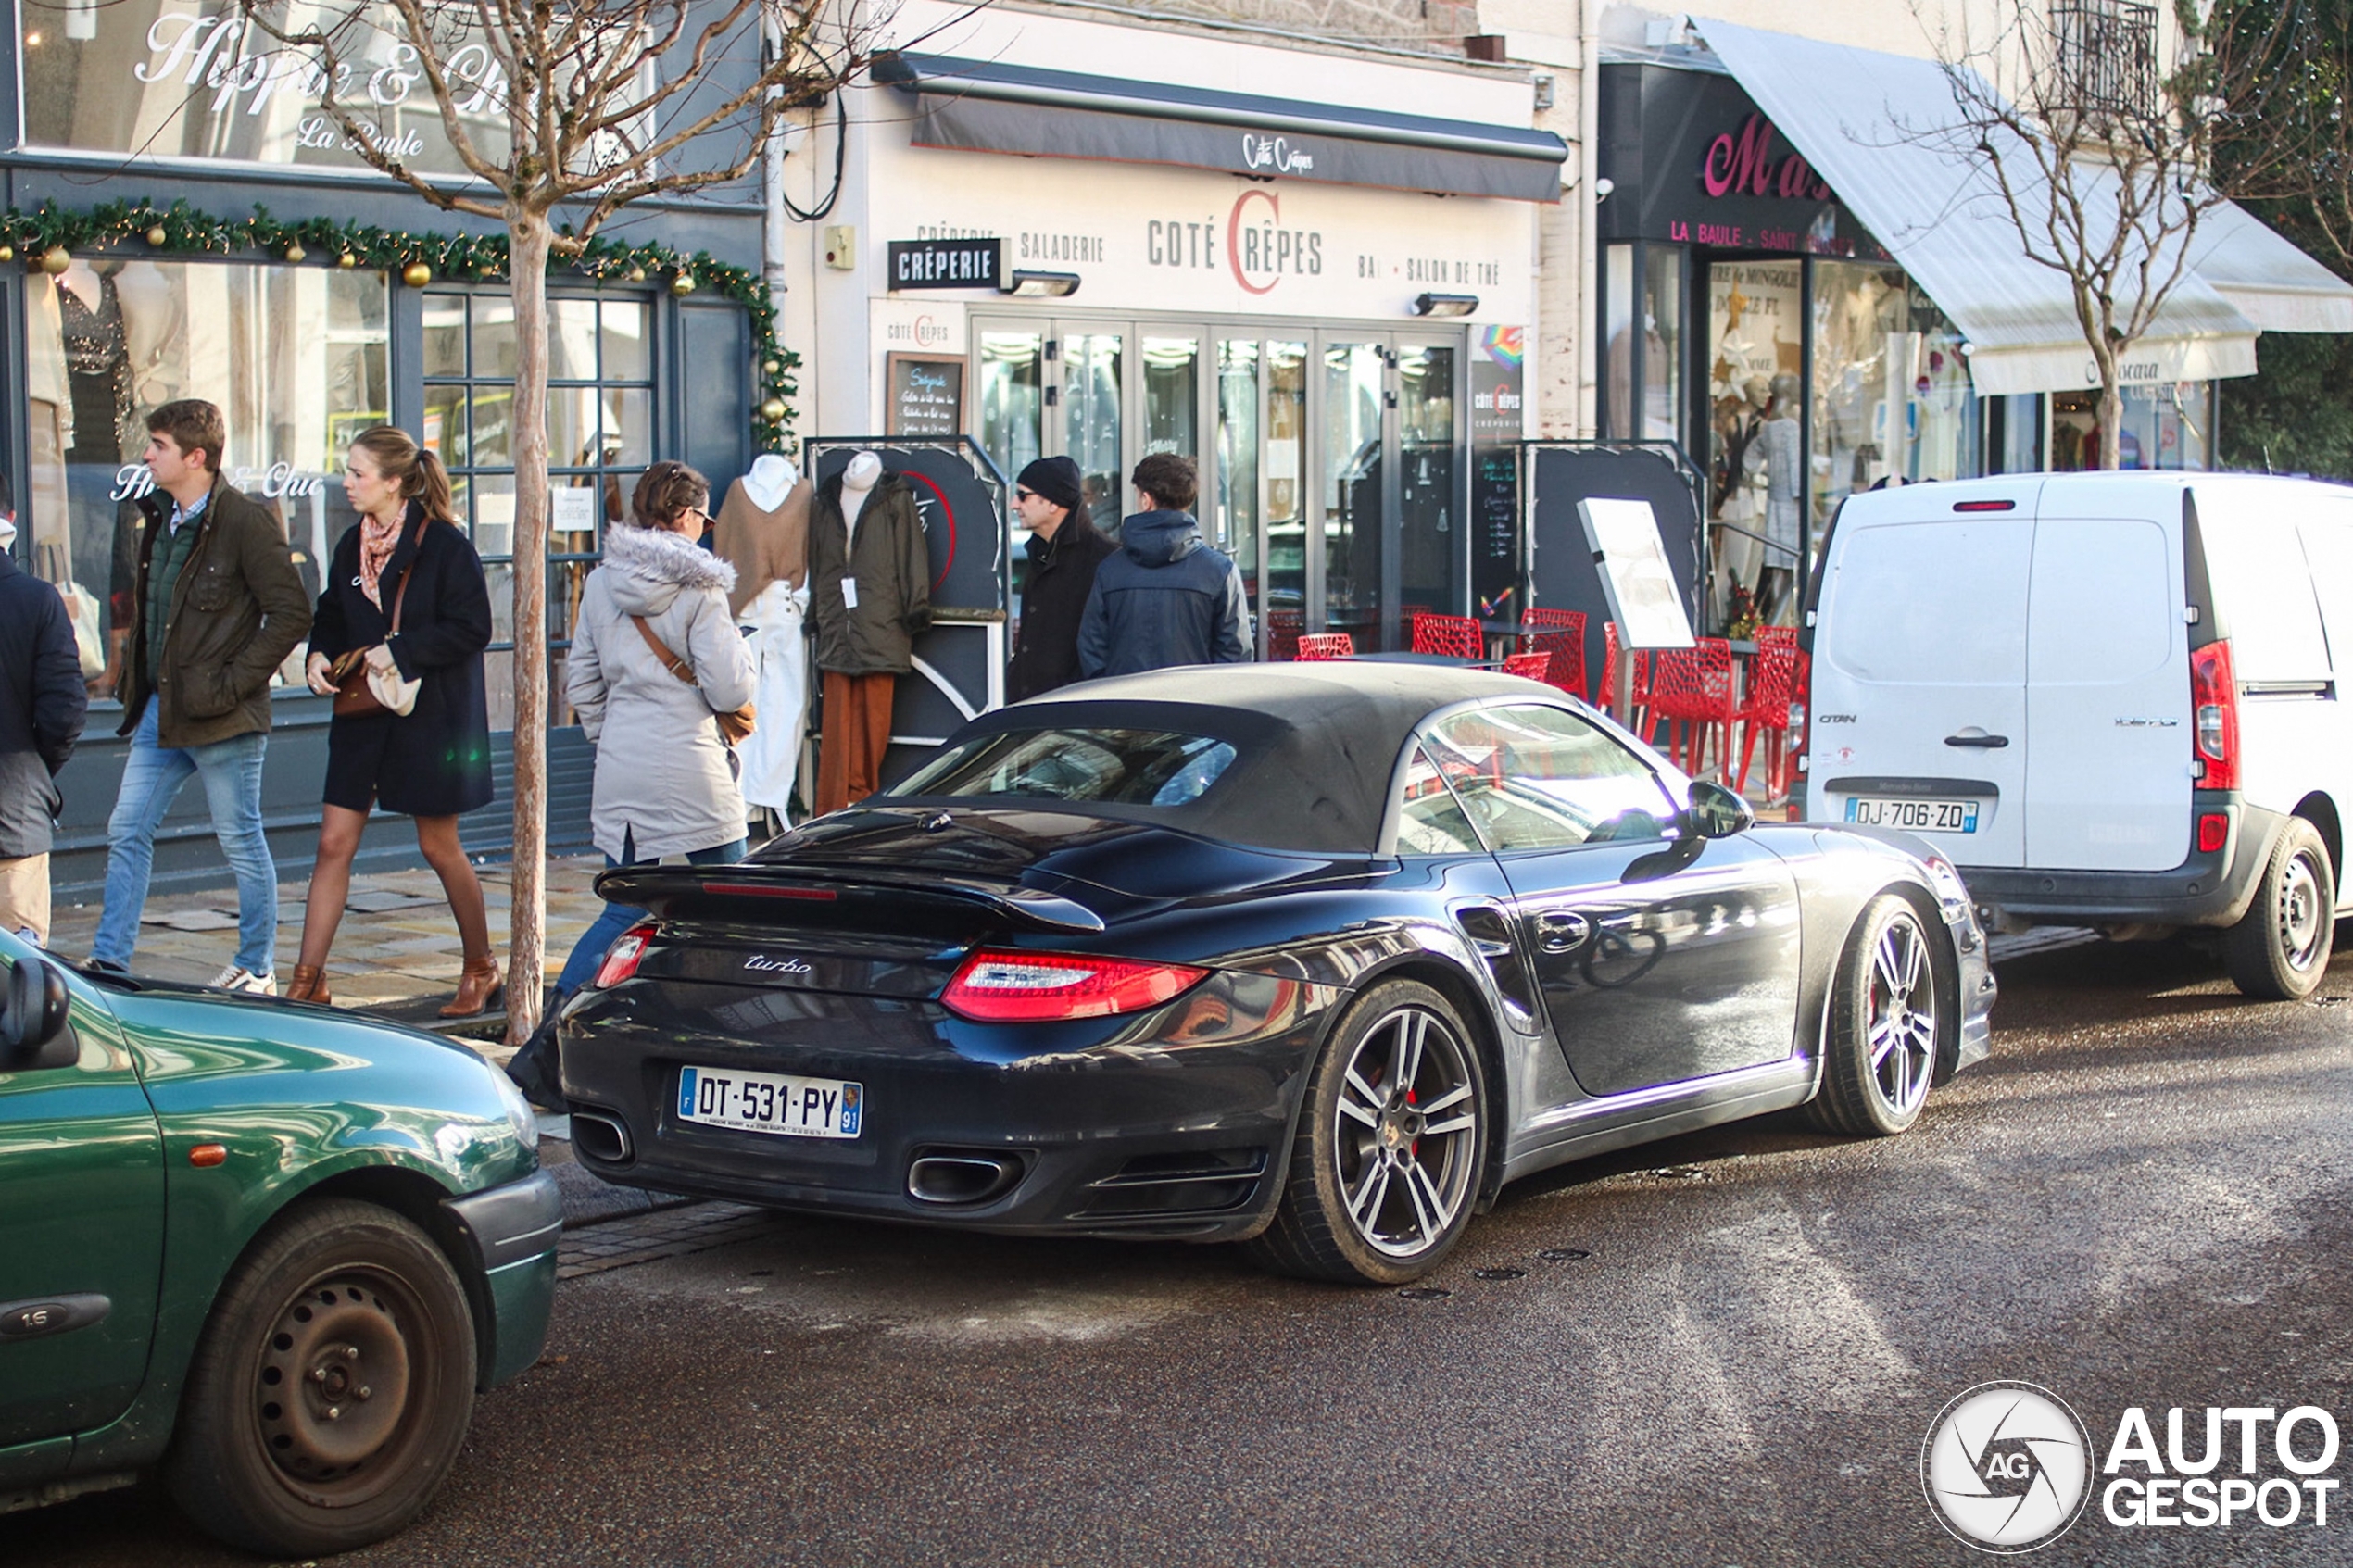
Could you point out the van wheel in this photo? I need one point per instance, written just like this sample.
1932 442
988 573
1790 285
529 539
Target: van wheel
2280 948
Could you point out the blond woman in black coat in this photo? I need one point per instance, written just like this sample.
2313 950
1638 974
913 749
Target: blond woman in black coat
431 763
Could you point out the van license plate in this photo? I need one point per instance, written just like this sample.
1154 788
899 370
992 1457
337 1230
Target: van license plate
770 1103
1910 812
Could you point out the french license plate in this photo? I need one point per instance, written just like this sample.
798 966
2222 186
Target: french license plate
1919 816
770 1103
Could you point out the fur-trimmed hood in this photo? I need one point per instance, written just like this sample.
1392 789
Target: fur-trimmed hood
651 566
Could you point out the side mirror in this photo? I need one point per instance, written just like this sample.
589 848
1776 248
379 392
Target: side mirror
32 1028
1716 813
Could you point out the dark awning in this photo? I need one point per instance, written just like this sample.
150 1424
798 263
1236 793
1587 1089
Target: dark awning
981 106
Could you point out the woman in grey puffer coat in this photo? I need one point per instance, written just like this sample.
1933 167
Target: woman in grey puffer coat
665 784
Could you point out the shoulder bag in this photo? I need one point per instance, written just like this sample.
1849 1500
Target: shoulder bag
361 689
735 725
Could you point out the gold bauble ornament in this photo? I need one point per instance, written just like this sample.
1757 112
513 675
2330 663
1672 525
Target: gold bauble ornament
637 274
56 259
416 275
773 410
7 253
155 236
346 259
682 284
772 367
294 252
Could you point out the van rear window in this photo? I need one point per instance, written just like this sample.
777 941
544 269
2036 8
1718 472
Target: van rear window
1931 603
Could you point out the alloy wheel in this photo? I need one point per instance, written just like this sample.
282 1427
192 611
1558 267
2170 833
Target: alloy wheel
1902 1013
1406 1132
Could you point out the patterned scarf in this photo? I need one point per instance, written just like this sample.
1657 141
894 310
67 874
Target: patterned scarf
378 539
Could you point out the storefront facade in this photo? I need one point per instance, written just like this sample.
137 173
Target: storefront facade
1338 354
160 107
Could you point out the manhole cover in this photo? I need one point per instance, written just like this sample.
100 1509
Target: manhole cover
1424 1293
1564 1254
1498 1274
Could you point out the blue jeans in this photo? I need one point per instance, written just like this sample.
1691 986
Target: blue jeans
588 953
152 775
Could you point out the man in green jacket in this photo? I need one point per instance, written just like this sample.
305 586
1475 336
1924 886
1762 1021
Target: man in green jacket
216 606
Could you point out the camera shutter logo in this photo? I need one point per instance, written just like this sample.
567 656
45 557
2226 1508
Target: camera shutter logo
2006 1467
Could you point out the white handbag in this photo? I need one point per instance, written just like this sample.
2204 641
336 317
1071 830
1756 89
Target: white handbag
393 690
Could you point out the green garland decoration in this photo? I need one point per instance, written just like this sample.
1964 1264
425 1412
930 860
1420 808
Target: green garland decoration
44 237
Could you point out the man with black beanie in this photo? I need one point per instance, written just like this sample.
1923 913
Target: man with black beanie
1064 549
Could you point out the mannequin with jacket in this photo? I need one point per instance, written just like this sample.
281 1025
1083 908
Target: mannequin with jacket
763 532
869 593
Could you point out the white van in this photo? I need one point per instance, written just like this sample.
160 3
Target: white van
2111 699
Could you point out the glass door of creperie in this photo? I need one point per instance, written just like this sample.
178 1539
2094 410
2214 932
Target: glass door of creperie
1331 461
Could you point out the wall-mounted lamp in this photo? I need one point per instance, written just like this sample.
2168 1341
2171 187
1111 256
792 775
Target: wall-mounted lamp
1603 187
1445 304
1042 285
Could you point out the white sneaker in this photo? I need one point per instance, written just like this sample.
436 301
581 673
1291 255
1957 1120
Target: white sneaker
235 978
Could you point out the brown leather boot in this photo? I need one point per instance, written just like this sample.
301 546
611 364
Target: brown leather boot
310 985
475 987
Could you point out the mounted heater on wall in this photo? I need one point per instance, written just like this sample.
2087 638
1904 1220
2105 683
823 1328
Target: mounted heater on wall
1042 285
1445 304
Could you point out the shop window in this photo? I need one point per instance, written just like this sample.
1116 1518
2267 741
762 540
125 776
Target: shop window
1236 506
1662 340
1617 332
1285 598
600 439
296 358
1756 356
1091 429
2164 427
1012 397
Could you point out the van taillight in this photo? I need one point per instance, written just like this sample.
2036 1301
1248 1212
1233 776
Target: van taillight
2214 699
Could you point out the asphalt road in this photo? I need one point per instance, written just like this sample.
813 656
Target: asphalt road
1726 1349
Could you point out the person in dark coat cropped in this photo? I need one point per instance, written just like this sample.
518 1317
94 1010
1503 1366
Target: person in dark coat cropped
42 706
1167 598
1064 549
407 557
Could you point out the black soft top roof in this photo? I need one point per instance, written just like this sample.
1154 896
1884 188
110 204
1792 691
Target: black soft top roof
1317 743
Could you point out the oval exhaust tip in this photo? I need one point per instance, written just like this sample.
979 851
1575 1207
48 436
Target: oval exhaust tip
962 1178
601 1137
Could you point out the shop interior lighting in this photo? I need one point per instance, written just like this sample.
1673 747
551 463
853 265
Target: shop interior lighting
1445 304
1042 285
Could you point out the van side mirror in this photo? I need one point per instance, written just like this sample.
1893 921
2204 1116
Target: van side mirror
1716 813
33 1022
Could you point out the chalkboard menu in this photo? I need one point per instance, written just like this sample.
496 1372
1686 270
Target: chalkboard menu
925 394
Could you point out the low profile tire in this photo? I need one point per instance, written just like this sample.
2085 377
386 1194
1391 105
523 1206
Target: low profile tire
332 1387
1887 1022
1384 1169
2280 948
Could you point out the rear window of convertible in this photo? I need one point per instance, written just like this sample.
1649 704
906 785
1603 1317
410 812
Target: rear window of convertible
1106 767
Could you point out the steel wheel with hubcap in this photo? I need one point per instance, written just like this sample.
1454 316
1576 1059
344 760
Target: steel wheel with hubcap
332 1388
1385 1167
2280 948
1886 1025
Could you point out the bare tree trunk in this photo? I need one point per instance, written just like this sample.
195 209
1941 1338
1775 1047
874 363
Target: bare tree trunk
528 241
2111 419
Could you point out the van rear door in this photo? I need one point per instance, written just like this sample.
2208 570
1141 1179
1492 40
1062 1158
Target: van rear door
2108 672
1918 703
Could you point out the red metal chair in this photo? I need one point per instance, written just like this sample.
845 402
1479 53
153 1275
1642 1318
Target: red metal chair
1772 692
1532 666
1694 692
1457 637
1560 633
1315 646
1283 629
1640 681
1777 637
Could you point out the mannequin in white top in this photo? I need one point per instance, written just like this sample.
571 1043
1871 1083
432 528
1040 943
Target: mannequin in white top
858 483
770 480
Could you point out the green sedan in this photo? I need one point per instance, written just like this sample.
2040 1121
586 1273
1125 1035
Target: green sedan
270 1249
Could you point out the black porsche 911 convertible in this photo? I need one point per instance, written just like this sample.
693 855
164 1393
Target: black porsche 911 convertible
1313 956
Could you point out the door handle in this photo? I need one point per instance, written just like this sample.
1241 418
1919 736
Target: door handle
1980 739
1561 933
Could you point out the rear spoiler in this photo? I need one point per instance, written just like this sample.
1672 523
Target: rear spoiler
656 887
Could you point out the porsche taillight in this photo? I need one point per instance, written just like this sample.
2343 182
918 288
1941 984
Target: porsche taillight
621 959
995 986
2214 706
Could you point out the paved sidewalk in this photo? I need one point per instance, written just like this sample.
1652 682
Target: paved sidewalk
396 952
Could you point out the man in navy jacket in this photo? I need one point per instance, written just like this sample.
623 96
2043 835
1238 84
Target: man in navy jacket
42 706
1167 598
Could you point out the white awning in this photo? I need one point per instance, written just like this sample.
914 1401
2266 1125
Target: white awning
1870 123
